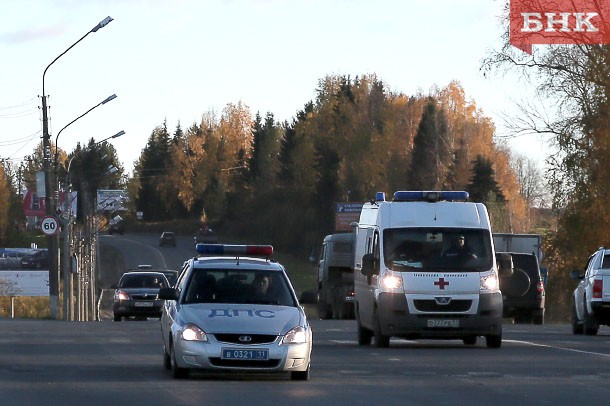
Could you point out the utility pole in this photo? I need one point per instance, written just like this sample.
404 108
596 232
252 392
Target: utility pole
50 211
49 182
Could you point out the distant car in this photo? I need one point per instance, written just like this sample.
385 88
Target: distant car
234 313
171 276
118 228
36 260
137 295
591 306
523 292
206 235
167 239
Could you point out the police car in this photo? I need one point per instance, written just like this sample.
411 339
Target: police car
233 311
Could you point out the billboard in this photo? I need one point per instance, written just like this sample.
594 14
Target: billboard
111 200
347 213
24 283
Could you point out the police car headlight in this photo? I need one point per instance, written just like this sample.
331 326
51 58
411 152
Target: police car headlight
193 333
392 281
296 335
489 282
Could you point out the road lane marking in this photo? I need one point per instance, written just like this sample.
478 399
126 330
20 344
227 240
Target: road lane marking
556 348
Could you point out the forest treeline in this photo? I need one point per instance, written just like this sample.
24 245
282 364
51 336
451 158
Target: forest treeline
278 182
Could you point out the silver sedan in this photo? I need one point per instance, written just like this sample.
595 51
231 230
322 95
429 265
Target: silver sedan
234 314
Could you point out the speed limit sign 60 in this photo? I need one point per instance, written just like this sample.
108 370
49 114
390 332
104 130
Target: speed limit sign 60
49 225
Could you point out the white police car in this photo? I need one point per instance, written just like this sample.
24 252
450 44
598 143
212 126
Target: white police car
234 313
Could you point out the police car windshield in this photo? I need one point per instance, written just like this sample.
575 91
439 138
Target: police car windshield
243 286
437 248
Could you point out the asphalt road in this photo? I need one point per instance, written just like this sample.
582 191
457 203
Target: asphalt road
71 363
45 362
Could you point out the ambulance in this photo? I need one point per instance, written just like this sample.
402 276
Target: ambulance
424 268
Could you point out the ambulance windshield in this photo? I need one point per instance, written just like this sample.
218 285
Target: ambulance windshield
437 248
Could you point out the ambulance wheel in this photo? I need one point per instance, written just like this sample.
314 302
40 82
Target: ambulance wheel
364 334
381 341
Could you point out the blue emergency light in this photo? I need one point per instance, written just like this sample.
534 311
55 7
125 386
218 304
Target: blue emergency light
380 197
228 249
430 196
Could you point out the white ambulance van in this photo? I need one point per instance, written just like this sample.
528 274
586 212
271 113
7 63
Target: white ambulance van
424 267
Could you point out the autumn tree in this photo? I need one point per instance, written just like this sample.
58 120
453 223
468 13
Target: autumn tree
431 152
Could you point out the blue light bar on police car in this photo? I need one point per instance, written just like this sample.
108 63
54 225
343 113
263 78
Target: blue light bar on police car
380 197
429 196
228 249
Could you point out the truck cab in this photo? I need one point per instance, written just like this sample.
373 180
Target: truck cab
336 277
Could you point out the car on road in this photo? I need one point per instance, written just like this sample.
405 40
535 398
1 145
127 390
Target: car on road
205 235
137 295
591 298
36 260
233 311
523 292
170 274
116 228
167 239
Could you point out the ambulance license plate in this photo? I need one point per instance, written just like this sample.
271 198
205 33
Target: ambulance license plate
439 323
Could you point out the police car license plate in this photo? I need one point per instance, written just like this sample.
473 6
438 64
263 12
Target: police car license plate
144 304
443 323
245 354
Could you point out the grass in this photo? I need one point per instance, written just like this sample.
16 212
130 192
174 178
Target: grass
302 273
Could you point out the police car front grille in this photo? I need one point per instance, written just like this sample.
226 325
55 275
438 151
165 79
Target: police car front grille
432 306
218 362
241 338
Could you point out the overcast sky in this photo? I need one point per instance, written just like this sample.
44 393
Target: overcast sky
175 60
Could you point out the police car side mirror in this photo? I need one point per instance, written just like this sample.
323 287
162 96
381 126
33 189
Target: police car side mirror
368 265
505 264
168 294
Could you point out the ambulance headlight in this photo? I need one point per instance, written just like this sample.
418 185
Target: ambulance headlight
392 281
489 282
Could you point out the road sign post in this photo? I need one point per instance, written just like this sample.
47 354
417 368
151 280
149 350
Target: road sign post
49 225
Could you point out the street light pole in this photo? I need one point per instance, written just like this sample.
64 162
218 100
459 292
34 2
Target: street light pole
106 100
48 183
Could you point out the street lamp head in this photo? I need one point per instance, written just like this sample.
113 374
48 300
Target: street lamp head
102 24
107 99
122 132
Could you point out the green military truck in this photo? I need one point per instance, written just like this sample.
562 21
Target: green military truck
336 277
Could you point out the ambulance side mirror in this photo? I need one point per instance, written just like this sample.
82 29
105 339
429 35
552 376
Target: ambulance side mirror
368 265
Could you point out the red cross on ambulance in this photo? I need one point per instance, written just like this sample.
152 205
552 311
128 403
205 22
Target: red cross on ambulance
441 283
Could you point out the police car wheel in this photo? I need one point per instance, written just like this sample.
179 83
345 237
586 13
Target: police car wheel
167 361
177 372
300 375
